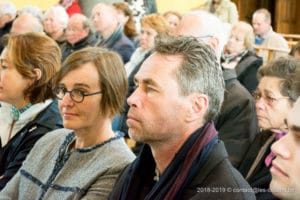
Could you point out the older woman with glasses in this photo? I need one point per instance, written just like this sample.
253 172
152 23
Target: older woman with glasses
274 97
84 160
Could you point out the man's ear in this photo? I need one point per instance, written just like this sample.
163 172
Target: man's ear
199 106
38 73
214 43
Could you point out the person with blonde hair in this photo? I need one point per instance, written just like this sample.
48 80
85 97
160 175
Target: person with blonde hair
151 26
106 24
239 55
173 18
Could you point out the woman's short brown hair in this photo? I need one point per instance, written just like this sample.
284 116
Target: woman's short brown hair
112 77
31 51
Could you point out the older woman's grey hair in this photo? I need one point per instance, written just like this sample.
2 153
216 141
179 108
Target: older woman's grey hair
285 69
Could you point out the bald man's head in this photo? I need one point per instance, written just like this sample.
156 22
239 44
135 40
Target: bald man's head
26 23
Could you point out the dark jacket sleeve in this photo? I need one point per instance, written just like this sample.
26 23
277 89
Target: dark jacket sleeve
248 76
237 123
16 152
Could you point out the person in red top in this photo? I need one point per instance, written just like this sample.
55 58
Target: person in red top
71 6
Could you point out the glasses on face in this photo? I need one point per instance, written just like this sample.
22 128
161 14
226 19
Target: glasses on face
270 100
76 95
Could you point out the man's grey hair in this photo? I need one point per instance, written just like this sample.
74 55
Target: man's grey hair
33 10
211 25
8 8
199 71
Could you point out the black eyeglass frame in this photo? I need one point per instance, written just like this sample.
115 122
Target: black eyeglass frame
56 91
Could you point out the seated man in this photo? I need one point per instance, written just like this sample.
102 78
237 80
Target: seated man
78 35
106 23
265 36
285 171
179 91
25 23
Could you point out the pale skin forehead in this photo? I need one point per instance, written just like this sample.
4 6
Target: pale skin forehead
292 119
105 8
259 17
189 25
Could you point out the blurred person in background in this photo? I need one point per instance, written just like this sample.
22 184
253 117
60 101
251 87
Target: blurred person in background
266 36
55 22
71 6
78 35
239 55
295 51
236 123
226 10
33 10
151 26
106 23
25 23
173 18
125 18
8 13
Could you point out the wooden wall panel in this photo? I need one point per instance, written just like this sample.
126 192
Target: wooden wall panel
284 13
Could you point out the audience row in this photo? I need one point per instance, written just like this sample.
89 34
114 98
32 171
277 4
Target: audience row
207 115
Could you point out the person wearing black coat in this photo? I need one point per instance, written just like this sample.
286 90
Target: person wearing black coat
15 151
28 106
239 55
110 31
275 96
237 122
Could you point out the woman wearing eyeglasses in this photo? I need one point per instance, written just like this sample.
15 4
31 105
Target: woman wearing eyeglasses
28 62
84 160
274 99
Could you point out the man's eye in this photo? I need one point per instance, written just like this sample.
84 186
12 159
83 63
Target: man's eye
271 99
3 66
150 89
